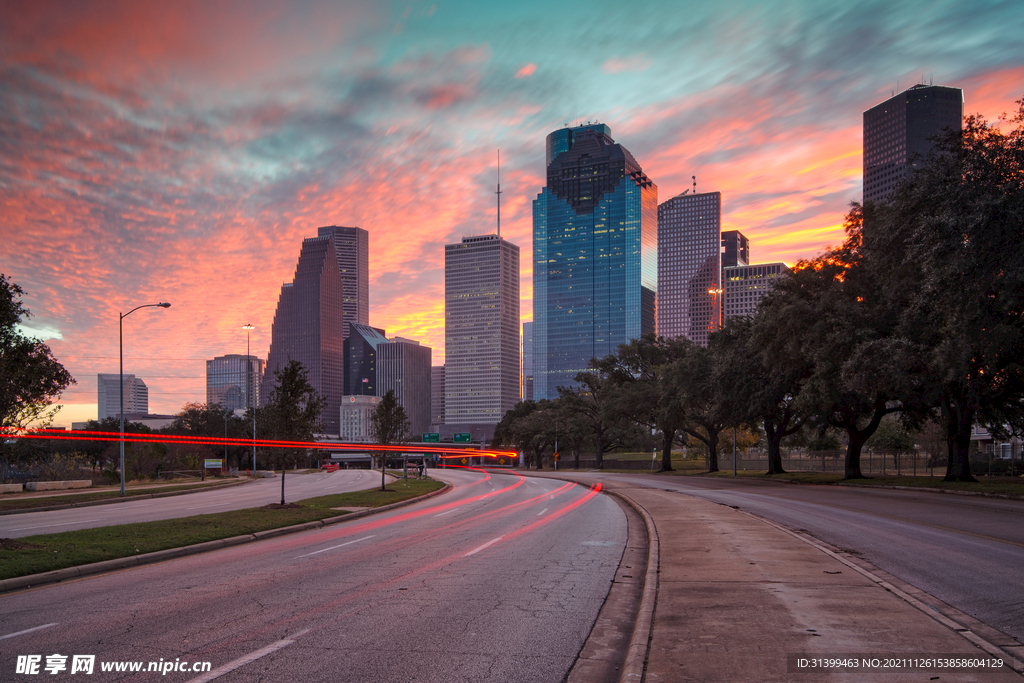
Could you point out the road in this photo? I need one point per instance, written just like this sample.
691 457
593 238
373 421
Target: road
499 580
253 494
967 551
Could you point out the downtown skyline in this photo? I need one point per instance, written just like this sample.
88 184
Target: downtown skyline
182 153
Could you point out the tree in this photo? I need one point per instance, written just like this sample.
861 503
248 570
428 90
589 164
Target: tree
700 399
640 373
30 377
594 401
292 413
388 426
209 419
955 229
760 376
528 427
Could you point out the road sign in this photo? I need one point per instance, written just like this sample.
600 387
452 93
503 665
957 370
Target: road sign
431 437
462 437
213 464
556 455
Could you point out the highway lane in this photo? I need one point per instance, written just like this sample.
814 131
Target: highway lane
253 494
499 580
967 551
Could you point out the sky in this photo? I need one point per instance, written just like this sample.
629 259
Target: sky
180 152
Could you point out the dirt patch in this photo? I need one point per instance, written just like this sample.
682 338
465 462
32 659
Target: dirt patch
14 544
286 506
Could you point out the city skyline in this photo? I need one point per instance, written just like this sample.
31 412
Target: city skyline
181 153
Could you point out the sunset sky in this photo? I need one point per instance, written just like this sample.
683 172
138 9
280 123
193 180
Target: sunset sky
181 151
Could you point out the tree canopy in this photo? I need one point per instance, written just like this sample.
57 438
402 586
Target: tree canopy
389 426
292 413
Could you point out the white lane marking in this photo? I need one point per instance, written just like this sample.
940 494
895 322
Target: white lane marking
248 659
77 521
485 545
28 630
328 488
442 514
212 505
542 511
335 547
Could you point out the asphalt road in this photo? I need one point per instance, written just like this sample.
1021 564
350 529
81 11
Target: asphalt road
498 580
967 551
253 494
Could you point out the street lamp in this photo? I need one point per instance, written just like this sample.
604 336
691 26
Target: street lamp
248 394
120 341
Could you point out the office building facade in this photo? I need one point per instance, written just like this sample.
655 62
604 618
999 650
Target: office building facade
403 367
233 381
690 250
308 327
735 249
355 418
746 285
899 130
360 354
108 396
481 323
595 245
527 393
437 395
352 248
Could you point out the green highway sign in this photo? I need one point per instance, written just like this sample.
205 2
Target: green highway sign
431 437
462 437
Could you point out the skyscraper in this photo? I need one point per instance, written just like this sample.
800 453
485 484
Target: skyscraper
352 247
735 249
481 329
690 246
108 397
233 381
361 359
527 361
437 395
308 327
595 244
901 128
403 366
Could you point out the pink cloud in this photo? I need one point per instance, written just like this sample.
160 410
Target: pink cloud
618 65
526 70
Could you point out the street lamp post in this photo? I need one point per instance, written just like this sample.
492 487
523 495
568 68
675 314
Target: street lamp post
120 341
248 394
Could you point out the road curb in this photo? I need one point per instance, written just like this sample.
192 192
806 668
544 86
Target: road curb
126 499
60 575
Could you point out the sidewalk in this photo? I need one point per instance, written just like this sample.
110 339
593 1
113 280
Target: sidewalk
740 599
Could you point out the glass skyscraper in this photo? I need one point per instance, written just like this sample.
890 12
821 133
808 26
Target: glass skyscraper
595 246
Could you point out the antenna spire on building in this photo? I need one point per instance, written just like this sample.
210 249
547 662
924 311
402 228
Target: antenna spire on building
498 192
694 184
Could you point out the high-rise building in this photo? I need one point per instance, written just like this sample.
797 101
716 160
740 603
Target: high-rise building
437 395
481 329
527 394
108 397
403 366
735 249
595 245
690 246
352 247
361 359
900 129
308 327
745 285
233 381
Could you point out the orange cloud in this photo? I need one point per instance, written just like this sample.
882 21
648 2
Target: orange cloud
526 70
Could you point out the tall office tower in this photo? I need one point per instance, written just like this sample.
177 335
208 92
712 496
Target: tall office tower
745 285
403 366
308 327
352 246
527 362
437 395
690 246
356 417
481 329
233 381
900 129
735 249
361 360
108 398
595 245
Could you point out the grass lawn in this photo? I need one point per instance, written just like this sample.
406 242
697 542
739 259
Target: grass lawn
46 552
46 501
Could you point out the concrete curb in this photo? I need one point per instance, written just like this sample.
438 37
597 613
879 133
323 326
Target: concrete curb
126 499
59 575
636 655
